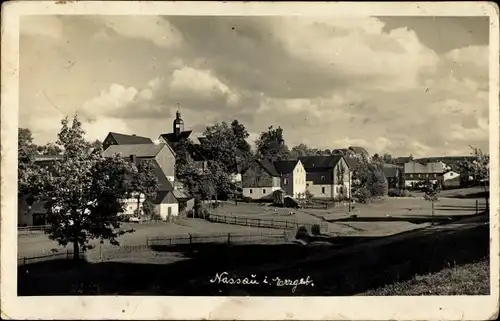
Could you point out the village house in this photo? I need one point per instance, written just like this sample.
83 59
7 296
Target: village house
260 180
169 201
292 177
124 139
394 175
327 177
416 172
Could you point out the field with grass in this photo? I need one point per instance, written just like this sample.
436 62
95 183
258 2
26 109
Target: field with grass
468 279
377 218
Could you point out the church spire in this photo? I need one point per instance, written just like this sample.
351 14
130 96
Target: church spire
178 125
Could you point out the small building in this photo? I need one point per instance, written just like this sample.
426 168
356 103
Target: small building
124 139
451 179
260 180
327 177
292 177
416 173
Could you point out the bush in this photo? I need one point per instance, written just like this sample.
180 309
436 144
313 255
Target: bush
246 199
362 195
316 229
396 192
302 234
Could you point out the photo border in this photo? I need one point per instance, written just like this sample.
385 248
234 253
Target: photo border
234 308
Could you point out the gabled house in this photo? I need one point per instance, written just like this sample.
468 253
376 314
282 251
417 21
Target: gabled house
327 177
168 201
260 180
415 172
124 139
394 175
292 177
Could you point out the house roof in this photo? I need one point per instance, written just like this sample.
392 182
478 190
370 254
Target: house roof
321 162
285 167
124 139
172 138
139 150
268 167
428 168
163 183
391 171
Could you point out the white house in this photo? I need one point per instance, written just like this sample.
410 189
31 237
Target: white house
292 177
327 177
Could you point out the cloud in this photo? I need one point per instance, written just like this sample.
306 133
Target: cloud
45 26
329 83
152 28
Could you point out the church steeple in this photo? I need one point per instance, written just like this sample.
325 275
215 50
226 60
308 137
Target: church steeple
178 124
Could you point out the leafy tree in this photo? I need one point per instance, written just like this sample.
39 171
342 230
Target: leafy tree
143 182
241 135
221 145
49 149
432 195
387 158
96 144
479 169
85 191
369 180
271 145
26 152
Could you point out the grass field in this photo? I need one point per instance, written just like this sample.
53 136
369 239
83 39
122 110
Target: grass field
379 218
468 279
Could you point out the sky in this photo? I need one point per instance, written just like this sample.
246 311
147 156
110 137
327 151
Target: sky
399 85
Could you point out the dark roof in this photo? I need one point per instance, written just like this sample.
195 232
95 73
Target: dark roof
124 139
285 167
163 182
391 171
321 162
139 150
268 167
172 138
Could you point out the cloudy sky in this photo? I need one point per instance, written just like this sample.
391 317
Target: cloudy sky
391 84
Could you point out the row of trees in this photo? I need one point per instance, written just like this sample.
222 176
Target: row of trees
82 189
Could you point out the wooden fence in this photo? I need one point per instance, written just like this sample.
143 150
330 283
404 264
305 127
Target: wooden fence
185 239
263 222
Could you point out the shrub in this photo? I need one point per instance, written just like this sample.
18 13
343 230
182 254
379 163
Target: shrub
316 229
362 195
302 234
246 199
396 192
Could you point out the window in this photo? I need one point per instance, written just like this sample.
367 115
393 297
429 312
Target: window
307 185
322 178
323 190
285 181
264 191
250 191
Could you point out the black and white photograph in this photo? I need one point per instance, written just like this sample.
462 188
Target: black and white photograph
247 158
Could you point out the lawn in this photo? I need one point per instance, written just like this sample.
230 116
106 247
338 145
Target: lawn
377 218
468 279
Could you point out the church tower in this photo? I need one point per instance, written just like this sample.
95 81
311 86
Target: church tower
178 124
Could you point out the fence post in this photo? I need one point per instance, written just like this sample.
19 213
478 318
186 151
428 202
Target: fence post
272 223
228 238
190 239
476 207
24 260
286 224
246 221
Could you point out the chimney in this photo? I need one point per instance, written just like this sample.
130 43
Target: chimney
133 159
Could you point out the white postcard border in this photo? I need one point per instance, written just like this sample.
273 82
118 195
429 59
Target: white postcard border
225 308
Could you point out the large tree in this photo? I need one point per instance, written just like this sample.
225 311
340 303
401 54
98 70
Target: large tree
478 168
241 134
144 183
26 152
220 145
85 191
271 145
368 179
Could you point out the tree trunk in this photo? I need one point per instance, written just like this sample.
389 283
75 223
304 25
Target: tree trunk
76 250
138 204
487 197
